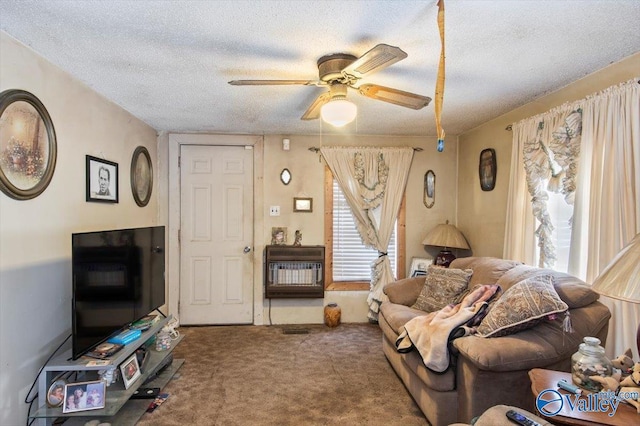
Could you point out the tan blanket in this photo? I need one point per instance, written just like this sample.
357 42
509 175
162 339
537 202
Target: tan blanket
430 334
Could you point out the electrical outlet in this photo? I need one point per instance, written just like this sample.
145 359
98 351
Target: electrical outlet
274 211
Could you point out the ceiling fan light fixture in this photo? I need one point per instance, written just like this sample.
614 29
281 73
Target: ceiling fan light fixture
338 112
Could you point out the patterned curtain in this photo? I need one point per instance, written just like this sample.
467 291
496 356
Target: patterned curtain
373 182
550 145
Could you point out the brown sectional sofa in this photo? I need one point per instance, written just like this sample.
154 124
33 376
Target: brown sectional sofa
485 372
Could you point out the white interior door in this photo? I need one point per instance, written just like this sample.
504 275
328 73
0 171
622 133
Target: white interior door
216 203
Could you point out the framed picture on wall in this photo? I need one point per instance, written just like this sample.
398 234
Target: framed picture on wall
102 180
487 169
28 147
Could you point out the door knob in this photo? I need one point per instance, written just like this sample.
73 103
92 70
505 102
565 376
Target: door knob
247 249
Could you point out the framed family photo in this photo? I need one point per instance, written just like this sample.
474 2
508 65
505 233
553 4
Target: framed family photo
102 180
84 396
130 371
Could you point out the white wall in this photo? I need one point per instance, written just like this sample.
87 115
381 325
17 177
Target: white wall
35 235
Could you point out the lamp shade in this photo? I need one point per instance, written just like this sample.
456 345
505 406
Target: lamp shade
446 235
621 278
338 112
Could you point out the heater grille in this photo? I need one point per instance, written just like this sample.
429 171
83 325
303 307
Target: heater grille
294 272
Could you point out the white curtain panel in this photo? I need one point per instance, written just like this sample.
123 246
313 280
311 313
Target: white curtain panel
607 215
373 181
607 198
521 224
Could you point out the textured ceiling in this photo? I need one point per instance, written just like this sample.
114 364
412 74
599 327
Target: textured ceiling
168 62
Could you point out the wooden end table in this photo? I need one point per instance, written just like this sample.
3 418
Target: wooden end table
548 379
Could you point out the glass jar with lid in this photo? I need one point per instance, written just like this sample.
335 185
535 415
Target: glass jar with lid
589 361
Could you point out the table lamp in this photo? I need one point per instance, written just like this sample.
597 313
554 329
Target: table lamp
621 278
445 236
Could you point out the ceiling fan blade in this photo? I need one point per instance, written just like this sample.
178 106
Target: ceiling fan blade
275 82
381 56
394 96
313 112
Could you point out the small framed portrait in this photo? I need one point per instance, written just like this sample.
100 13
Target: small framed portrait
28 147
55 394
278 236
84 396
419 266
130 371
303 204
141 176
102 180
487 169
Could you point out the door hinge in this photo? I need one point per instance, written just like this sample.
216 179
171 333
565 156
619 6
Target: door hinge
179 236
179 161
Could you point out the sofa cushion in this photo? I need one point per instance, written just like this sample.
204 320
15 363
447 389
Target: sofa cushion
573 291
442 286
397 315
541 346
486 270
404 291
522 306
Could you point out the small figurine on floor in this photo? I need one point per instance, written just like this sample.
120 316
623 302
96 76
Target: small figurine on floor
298 241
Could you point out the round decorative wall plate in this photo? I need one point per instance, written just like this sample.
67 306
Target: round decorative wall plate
28 146
141 176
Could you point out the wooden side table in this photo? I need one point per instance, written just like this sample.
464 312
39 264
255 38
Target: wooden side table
548 379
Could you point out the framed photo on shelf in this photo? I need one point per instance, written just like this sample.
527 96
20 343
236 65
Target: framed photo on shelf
102 180
419 266
130 371
278 236
55 394
84 396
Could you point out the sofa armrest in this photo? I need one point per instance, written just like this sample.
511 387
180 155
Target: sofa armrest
404 291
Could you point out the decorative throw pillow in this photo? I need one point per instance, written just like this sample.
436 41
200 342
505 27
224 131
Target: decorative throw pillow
521 307
441 287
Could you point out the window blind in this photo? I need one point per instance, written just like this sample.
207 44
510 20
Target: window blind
351 259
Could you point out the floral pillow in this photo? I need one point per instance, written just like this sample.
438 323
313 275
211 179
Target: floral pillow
442 286
522 306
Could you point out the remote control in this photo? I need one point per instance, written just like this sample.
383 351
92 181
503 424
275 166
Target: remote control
521 419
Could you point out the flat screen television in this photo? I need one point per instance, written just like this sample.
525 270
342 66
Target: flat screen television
118 278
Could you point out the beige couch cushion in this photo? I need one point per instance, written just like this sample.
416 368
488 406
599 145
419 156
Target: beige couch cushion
573 291
486 270
404 291
442 286
540 346
522 306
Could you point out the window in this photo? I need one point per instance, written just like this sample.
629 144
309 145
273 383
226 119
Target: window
348 261
560 213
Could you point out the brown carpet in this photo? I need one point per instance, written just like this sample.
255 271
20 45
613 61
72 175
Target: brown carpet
260 375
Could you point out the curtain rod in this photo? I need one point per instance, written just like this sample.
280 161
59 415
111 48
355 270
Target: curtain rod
316 150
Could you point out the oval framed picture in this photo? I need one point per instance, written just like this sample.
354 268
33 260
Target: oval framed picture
141 176
28 147
55 393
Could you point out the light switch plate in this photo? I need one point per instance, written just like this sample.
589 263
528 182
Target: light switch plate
274 211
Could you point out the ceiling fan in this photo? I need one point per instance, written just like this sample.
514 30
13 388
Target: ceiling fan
339 71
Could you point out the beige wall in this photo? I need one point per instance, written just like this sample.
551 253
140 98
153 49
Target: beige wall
308 181
35 235
482 215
